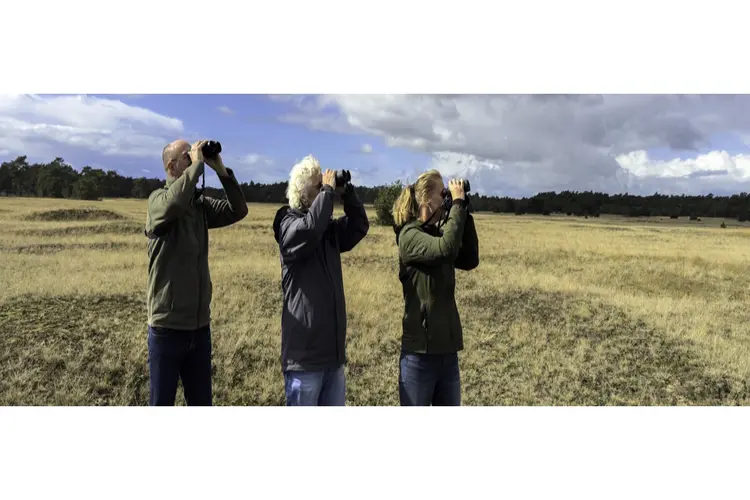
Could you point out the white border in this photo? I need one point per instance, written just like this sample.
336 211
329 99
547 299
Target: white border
640 46
383 47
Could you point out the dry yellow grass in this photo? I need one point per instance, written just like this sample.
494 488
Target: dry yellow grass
561 311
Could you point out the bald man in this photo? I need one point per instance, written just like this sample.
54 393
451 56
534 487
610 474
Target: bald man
179 283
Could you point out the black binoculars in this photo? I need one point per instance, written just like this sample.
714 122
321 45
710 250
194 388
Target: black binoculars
448 197
343 177
447 192
210 149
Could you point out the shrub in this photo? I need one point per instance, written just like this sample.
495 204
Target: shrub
387 196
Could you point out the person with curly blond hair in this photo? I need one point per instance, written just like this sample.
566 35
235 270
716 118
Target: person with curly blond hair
313 318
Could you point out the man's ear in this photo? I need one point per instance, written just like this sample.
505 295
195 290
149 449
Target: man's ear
170 167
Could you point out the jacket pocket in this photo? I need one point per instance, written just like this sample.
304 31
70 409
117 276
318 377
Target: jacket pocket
185 293
423 317
162 299
209 292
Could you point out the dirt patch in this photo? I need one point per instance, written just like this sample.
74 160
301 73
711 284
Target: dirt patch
73 351
51 248
124 228
600 227
74 214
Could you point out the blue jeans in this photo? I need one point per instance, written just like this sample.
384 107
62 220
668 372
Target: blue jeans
429 379
318 388
175 355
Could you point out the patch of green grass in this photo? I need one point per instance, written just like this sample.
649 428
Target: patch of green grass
553 315
532 347
74 214
73 351
119 228
49 248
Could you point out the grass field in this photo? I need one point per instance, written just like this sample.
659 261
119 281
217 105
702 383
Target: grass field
561 311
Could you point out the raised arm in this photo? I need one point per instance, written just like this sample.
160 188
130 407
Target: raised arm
352 227
221 213
300 235
468 255
165 206
417 247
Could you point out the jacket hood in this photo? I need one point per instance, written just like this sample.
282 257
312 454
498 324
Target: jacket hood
397 229
415 223
280 214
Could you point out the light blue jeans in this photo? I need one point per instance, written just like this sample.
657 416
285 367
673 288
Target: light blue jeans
319 388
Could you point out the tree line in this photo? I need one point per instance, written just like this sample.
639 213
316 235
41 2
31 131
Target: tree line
59 180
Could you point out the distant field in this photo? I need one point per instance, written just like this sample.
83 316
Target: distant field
561 311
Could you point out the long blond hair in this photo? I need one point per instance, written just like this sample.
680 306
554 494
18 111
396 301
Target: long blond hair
406 207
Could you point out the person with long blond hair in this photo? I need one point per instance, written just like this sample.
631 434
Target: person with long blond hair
429 254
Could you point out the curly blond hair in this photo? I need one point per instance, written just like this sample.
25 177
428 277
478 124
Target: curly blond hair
299 178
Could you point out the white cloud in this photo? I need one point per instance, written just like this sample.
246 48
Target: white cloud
530 143
255 159
366 149
37 125
716 172
255 167
226 110
736 168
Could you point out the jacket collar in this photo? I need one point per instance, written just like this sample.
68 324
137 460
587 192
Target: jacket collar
196 194
422 226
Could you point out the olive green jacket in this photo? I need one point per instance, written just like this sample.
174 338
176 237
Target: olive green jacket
428 259
179 287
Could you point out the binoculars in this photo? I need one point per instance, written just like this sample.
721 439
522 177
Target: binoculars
210 149
448 197
343 177
447 193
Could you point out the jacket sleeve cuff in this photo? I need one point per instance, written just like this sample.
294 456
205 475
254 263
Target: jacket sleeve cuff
459 203
229 178
349 195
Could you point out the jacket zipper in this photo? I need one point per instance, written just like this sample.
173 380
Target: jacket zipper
425 328
335 297
200 276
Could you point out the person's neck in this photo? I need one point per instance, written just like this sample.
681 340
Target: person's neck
424 218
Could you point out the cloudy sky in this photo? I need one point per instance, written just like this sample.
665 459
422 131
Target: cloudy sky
507 145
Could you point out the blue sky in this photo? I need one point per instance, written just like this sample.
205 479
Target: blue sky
249 124
507 145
